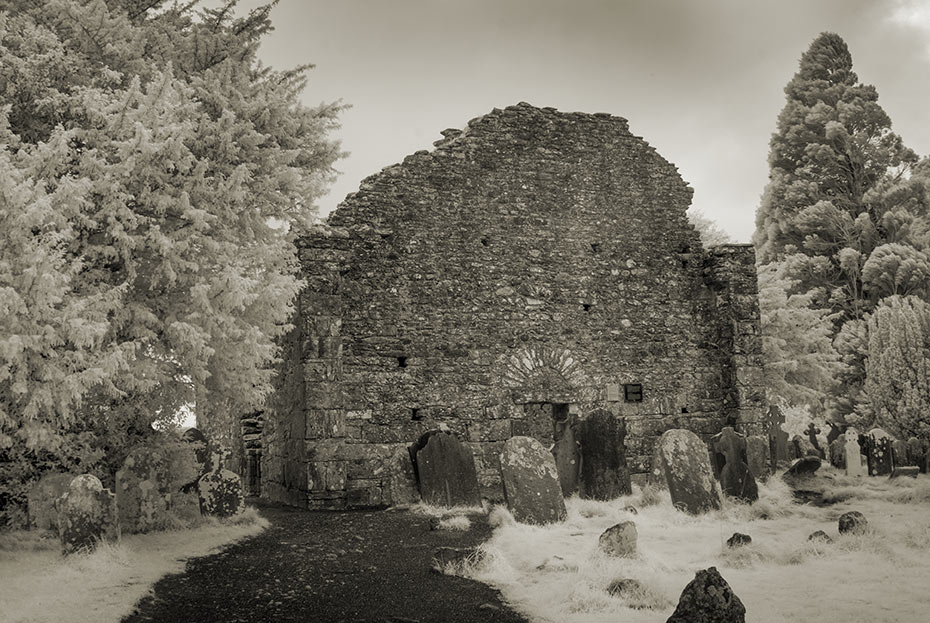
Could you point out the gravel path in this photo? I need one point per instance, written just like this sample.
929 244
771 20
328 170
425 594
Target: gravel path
322 567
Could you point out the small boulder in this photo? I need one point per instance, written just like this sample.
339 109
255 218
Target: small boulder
624 586
853 522
738 540
86 514
708 599
821 536
803 467
619 540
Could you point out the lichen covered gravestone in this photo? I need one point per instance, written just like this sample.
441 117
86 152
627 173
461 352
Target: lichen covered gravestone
682 458
41 500
220 493
531 482
140 491
86 514
878 449
708 599
446 471
604 472
732 466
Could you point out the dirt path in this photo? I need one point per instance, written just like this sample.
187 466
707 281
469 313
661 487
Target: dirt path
321 567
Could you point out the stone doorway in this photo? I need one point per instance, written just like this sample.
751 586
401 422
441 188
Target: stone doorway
552 424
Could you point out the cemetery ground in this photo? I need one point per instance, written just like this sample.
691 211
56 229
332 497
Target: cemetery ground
378 565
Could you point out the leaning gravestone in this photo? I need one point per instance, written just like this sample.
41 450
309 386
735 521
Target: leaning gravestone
853 454
41 500
803 467
604 473
731 465
708 599
682 458
531 482
446 472
86 514
757 455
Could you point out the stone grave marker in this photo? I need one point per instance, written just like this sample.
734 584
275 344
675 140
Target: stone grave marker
899 453
86 514
757 455
878 449
812 432
604 472
42 497
835 433
531 482
141 487
909 471
708 599
682 458
853 454
220 493
731 465
446 472
566 452
803 467
915 451
778 438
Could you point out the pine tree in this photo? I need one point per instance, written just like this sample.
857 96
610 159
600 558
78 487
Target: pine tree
153 176
834 164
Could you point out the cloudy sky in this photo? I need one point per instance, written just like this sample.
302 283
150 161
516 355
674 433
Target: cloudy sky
701 80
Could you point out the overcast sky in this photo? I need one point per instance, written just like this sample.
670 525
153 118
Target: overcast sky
700 80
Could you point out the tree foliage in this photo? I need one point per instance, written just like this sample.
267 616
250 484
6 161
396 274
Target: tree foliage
898 369
152 178
801 363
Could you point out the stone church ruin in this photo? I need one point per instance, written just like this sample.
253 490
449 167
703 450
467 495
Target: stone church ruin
534 270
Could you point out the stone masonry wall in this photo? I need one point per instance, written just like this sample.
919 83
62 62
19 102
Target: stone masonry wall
531 264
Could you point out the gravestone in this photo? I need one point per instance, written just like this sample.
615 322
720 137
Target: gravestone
42 497
682 458
708 599
838 453
141 491
899 453
86 514
778 438
917 453
619 540
604 474
803 447
731 465
220 493
446 472
757 455
853 454
909 471
566 452
531 482
879 452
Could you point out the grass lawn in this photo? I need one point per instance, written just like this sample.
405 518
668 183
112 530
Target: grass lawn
556 573
37 584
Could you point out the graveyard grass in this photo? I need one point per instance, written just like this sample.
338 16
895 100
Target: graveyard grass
555 573
38 585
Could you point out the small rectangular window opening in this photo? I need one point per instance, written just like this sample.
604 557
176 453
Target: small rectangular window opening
415 415
401 362
633 392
